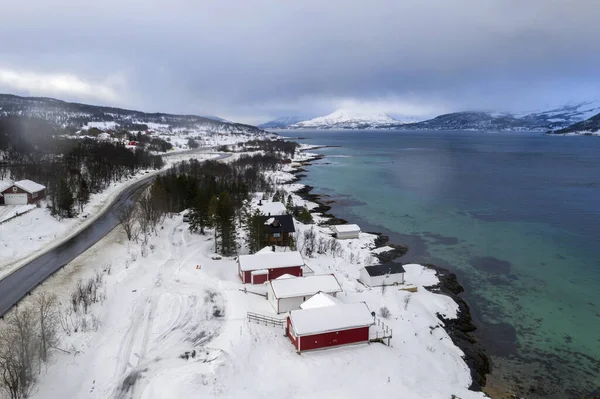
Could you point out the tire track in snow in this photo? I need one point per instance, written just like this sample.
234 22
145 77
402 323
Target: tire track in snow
149 299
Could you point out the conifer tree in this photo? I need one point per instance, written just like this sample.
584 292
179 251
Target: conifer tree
254 230
83 193
65 199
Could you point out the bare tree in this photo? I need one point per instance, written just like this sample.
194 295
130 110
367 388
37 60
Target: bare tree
127 219
46 306
19 355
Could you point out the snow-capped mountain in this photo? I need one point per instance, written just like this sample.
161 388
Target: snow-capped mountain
77 116
281 123
347 119
539 120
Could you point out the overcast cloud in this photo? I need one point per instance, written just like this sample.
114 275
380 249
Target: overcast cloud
252 60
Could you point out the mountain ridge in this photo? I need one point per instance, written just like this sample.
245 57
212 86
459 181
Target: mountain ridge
538 120
78 115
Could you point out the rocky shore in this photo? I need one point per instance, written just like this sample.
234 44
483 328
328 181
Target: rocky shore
458 329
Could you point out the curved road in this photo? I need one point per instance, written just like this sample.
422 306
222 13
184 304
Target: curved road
21 282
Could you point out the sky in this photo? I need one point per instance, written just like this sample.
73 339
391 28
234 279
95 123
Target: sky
254 60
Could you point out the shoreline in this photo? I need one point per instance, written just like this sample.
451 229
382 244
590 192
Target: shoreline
459 329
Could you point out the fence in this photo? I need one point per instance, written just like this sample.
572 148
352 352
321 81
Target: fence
16 216
266 320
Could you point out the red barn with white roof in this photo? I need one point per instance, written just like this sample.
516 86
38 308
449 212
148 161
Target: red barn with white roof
22 192
329 324
262 267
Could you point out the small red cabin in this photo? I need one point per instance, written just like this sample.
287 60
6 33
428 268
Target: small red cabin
329 325
262 267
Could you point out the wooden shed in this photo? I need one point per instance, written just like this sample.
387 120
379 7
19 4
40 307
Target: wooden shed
388 274
345 231
329 326
265 266
287 294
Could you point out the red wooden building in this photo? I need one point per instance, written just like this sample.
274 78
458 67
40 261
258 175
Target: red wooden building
22 192
262 267
329 324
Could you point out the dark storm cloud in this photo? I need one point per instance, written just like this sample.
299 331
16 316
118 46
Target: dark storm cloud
256 59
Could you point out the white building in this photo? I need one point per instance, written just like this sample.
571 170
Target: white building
286 293
344 231
388 274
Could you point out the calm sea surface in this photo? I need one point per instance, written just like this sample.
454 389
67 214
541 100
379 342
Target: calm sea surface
515 215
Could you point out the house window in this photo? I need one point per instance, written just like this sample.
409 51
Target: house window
15 189
276 235
34 195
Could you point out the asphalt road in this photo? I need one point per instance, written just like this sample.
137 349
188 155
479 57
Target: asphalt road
20 283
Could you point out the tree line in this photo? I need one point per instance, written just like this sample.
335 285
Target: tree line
216 193
70 169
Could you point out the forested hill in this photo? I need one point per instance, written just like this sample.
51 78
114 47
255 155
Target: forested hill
588 126
74 116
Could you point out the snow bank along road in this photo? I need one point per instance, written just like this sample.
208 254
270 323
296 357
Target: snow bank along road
18 284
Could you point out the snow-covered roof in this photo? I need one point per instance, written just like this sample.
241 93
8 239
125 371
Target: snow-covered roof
284 276
382 270
4 186
345 228
272 208
29 186
303 286
265 250
270 260
330 318
320 300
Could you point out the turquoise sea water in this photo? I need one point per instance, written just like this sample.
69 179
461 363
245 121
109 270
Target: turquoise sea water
515 215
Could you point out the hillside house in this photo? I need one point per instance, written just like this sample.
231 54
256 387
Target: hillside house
22 192
277 230
262 267
329 323
377 275
345 231
287 293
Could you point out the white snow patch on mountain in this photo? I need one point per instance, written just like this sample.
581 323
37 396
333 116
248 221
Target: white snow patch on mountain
348 119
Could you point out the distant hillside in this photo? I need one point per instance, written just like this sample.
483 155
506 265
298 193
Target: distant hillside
280 123
475 121
77 116
588 126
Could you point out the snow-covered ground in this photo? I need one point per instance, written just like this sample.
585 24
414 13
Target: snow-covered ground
10 211
174 325
162 306
28 236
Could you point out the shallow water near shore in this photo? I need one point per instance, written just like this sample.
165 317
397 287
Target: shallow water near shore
515 215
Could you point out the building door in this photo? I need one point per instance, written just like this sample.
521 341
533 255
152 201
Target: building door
15 199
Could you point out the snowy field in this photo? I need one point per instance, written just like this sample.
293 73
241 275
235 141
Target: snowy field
161 306
174 325
28 236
